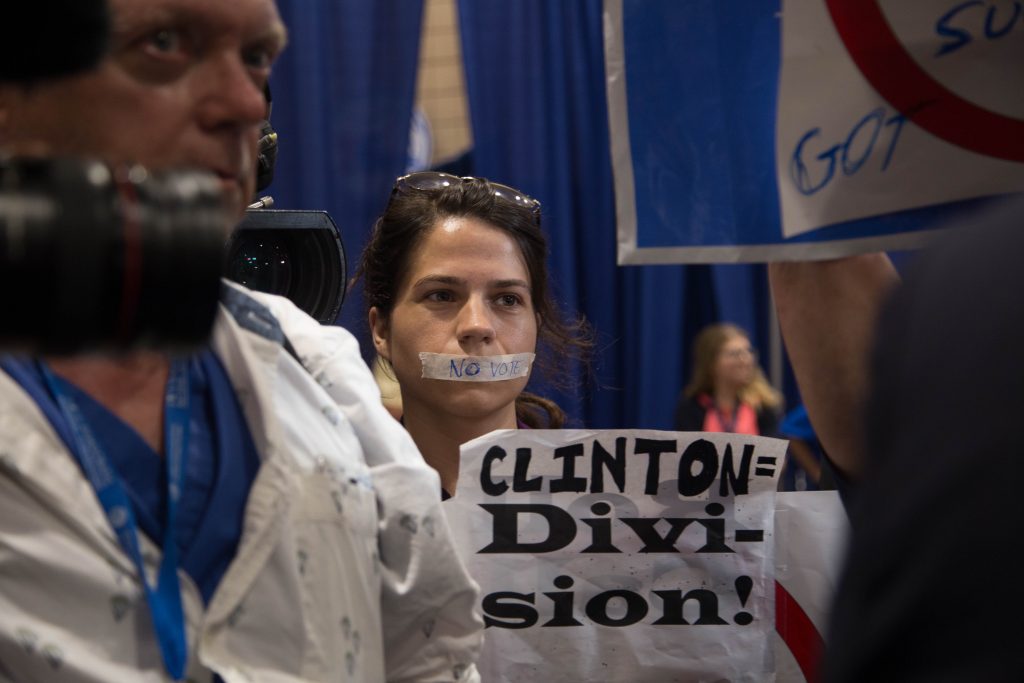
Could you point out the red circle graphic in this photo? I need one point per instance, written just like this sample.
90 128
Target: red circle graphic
892 71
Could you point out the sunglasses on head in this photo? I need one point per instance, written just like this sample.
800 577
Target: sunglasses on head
426 181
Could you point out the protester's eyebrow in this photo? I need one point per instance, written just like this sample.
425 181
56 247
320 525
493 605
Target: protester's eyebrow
456 281
503 284
438 280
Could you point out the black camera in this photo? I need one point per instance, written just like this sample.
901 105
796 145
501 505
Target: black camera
95 257
51 39
297 254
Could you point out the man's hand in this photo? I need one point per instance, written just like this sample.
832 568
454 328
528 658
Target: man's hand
828 311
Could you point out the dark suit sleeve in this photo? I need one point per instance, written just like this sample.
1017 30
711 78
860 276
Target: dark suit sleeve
689 415
768 422
931 589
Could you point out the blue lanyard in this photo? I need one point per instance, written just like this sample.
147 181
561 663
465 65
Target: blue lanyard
165 601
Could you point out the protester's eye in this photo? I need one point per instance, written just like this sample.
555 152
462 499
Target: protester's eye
440 296
510 300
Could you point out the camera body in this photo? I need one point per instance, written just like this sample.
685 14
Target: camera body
296 254
52 39
95 257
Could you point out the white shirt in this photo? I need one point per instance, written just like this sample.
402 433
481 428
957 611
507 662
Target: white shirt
346 570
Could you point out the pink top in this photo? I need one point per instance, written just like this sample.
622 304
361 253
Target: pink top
743 421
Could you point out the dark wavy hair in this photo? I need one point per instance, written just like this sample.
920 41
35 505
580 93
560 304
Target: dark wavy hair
412 213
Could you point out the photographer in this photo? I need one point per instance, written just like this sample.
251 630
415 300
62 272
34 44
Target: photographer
234 512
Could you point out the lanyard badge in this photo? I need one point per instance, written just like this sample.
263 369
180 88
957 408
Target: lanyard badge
165 598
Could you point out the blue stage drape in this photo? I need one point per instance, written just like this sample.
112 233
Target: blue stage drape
343 91
536 85
343 96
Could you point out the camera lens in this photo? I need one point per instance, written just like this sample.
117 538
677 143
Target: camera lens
93 257
264 263
295 254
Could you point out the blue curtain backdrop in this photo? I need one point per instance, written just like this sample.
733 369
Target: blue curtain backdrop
343 91
535 79
343 96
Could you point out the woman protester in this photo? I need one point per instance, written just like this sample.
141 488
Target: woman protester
457 297
728 391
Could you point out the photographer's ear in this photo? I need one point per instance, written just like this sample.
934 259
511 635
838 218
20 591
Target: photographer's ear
266 152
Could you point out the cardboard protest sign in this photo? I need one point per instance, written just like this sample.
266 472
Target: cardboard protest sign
621 555
760 130
811 529
889 105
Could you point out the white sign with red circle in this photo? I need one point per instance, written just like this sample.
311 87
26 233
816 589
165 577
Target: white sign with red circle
886 105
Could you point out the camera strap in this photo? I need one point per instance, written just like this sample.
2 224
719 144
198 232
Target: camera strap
165 599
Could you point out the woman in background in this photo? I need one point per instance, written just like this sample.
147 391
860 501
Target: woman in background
455 272
727 392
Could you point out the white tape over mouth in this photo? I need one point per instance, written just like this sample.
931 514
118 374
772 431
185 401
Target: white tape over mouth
476 368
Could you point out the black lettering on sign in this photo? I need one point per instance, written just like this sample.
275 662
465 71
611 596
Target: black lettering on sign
615 608
505 528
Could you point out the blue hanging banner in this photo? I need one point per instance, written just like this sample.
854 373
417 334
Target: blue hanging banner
755 131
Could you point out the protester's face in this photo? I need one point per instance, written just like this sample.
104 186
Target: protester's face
466 292
735 363
182 86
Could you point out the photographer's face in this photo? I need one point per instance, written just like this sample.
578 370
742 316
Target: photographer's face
182 86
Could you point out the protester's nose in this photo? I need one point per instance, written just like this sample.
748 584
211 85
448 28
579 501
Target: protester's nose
475 324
